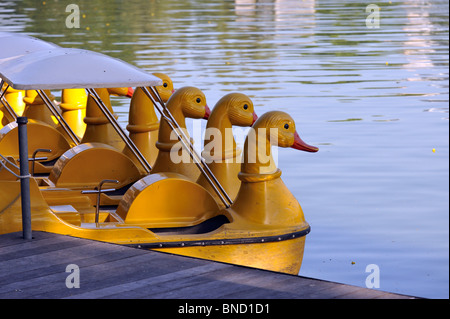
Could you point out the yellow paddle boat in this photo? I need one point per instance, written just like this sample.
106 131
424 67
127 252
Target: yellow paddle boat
262 227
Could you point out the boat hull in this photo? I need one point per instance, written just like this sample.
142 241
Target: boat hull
283 256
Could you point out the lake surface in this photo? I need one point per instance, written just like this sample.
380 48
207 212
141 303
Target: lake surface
374 100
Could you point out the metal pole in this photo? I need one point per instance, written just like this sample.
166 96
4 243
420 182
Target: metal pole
24 178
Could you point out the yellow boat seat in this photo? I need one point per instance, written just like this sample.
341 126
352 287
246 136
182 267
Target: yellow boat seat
150 202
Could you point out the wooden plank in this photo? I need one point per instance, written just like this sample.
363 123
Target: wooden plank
113 278
147 287
17 238
41 251
27 276
37 269
204 286
97 273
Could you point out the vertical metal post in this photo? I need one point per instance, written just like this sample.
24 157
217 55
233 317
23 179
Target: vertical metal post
24 178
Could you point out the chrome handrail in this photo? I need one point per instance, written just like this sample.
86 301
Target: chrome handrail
34 159
98 190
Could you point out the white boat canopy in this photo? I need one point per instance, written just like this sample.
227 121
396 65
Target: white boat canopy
16 44
55 68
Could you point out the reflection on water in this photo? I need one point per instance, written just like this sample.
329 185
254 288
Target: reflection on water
374 100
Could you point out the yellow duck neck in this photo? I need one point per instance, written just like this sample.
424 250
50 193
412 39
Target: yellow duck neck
143 125
171 157
258 162
142 115
73 108
263 198
175 108
222 136
36 109
15 99
221 154
98 128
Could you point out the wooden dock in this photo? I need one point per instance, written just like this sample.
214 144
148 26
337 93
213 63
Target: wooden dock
36 269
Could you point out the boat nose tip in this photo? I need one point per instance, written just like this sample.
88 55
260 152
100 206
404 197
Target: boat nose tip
255 117
302 146
130 92
207 112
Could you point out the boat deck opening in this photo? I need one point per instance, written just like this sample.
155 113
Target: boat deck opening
202 228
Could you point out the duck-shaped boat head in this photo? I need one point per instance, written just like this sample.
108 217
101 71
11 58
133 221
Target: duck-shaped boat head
263 198
143 124
165 90
220 152
142 111
232 109
273 128
186 102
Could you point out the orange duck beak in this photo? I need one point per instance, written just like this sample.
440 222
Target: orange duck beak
130 92
207 112
302 146
255 117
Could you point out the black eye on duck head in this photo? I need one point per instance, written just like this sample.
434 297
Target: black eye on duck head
239 108
192 102
281 130
166 89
